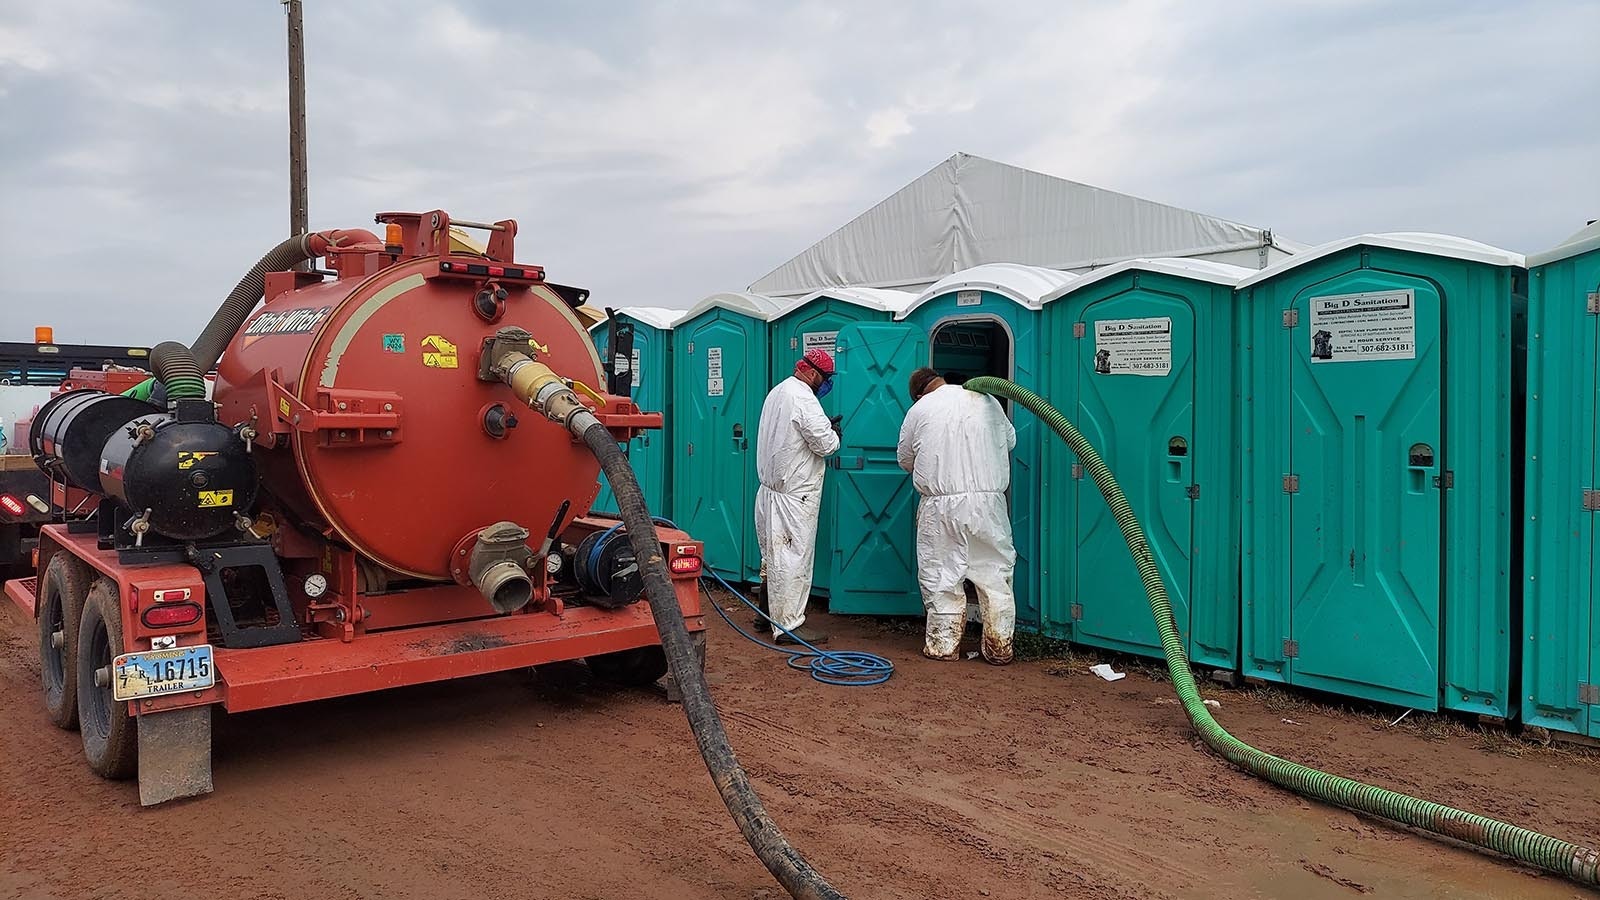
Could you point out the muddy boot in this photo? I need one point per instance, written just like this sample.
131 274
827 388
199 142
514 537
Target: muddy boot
997 652
807 633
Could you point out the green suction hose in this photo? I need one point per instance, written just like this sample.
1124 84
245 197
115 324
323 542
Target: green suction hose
1579 863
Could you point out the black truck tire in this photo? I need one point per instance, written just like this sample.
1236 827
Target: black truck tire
62 590
110 734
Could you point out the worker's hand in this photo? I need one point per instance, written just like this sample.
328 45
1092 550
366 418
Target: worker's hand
834 421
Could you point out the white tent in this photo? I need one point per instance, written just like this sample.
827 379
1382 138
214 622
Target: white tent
969 211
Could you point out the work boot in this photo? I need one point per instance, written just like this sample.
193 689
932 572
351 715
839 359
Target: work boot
807 633
997 652
762 625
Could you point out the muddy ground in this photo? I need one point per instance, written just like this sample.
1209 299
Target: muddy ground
953 780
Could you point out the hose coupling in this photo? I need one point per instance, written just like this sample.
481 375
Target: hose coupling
498 566
511 356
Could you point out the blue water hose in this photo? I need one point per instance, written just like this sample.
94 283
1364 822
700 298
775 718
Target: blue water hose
845 668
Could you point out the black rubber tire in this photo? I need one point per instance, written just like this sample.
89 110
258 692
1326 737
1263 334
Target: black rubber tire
62 590
640 667
110 734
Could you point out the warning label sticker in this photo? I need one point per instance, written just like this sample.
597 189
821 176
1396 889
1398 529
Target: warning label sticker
1133 346
438 353
714 372
1362 327
821 340
636 367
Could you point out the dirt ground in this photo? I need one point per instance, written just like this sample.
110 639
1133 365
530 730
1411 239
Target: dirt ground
952 780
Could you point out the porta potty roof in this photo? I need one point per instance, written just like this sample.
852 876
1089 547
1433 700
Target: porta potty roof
1024 285
654 316
756 306
968 211
1413 241
869 298
1196 269
1584 241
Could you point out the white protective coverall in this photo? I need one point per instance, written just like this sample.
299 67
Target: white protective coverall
794 437
957 446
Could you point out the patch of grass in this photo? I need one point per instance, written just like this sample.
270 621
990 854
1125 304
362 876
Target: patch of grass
1030 646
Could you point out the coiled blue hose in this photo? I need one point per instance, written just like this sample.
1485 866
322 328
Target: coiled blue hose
845 668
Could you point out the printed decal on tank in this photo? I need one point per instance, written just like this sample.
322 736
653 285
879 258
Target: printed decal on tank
438 353
394 343
289 321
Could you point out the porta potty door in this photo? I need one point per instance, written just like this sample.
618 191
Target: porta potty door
875 511
1561 650
1365 510
1135 401
606 502
651 374
717 400
817 325
641 374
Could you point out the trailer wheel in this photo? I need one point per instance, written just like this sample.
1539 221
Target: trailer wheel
110 735
639 667
61 595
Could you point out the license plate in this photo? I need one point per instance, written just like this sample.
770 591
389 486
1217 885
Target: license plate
156 673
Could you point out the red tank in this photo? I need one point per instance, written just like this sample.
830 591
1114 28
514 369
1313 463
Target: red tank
371 421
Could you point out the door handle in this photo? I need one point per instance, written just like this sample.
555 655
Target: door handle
740 443
1177 459
1420 462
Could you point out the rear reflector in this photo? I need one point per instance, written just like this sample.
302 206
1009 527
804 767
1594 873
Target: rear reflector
11 504
171 615
685 565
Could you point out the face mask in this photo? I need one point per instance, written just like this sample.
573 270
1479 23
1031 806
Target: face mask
822 389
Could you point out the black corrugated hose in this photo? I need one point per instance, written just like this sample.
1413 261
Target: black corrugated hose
771 847
230 316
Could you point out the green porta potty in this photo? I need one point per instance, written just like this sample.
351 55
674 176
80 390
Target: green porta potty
814 321
1561 653
980 321
646 373
719 381
1380 423
1140 356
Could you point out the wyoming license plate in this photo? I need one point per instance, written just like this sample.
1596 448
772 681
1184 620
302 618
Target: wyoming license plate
155 673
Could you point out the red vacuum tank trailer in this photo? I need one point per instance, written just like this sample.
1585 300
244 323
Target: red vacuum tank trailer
369 502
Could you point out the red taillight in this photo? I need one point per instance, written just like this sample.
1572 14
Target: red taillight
171 615
12 505
685 565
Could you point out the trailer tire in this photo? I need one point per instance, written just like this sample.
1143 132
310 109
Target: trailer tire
110 734
62 589
639 667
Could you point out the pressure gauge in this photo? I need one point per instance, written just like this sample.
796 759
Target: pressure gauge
552 563
316 586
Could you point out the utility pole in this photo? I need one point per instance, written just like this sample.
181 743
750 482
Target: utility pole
299 204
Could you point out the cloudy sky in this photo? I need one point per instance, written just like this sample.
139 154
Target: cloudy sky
656 152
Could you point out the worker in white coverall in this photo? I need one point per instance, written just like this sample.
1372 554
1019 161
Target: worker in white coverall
957 446
794 438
